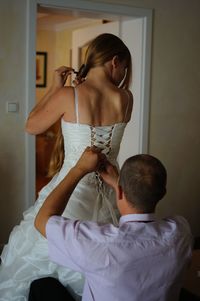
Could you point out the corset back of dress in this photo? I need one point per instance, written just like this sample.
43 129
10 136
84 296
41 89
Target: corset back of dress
78 136
100 206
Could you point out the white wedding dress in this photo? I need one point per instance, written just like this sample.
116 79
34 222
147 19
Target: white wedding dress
25 257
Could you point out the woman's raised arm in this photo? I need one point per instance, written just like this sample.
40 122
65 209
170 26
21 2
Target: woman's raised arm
52 106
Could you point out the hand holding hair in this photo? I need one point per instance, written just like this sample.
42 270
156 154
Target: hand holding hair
80 75
60 76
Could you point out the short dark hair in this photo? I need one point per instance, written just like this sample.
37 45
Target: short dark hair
143 180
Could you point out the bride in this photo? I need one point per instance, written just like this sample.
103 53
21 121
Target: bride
94 113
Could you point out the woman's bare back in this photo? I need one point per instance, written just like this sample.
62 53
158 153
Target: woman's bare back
106 106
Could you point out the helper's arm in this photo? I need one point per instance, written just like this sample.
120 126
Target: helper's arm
58 198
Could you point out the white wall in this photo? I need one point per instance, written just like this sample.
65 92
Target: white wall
174 112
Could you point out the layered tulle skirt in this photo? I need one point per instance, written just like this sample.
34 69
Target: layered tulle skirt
25 257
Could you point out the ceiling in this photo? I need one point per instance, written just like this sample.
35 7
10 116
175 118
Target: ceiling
56 19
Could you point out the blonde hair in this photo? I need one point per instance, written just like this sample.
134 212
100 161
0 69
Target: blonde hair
57 156
101 50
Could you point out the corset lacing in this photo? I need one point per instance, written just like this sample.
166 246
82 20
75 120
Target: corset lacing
102 139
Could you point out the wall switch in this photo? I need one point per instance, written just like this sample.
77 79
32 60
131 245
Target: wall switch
12 107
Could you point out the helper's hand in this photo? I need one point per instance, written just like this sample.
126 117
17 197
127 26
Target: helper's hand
109 174
60 76
90 160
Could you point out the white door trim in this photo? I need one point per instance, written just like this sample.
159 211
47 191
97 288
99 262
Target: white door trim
92 7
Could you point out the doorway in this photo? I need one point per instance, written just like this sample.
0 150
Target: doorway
142 70
62 38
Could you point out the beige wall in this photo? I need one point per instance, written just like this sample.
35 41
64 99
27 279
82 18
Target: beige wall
46 42
12 89
63 46
57 44
174 110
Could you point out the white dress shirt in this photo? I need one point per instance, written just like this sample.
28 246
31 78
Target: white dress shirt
142 259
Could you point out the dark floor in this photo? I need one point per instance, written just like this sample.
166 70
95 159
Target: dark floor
187 296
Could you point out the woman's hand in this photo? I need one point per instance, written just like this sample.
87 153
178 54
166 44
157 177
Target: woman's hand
60 76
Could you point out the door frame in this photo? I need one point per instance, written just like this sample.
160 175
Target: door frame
87 6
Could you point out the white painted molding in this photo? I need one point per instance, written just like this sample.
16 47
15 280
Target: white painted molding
147 44
30 101
98 9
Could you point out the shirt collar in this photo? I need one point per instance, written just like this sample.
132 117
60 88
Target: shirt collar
140 217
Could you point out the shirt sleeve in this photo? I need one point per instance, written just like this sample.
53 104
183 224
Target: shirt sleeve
63 244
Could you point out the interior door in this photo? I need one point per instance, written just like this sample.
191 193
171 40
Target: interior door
131 32
134 140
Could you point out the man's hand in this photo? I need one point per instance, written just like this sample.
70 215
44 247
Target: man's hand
90 160
109 174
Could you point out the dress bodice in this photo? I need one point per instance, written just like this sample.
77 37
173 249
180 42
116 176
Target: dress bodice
99 199
78 136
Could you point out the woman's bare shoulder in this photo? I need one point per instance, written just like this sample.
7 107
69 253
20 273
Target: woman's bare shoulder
66 91
127 103
124 96
65 97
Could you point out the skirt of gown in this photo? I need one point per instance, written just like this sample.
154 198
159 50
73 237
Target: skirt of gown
25 257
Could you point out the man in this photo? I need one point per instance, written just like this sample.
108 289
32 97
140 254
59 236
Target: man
142 259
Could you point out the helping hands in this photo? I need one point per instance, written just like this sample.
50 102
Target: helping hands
90 160
93 159
110 174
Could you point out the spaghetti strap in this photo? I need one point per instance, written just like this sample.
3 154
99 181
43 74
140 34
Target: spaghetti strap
127 105
76 105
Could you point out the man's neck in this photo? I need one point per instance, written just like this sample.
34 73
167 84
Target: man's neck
126 208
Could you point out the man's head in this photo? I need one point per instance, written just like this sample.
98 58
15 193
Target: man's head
143 182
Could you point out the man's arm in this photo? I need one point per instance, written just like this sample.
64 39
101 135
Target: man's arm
57 200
